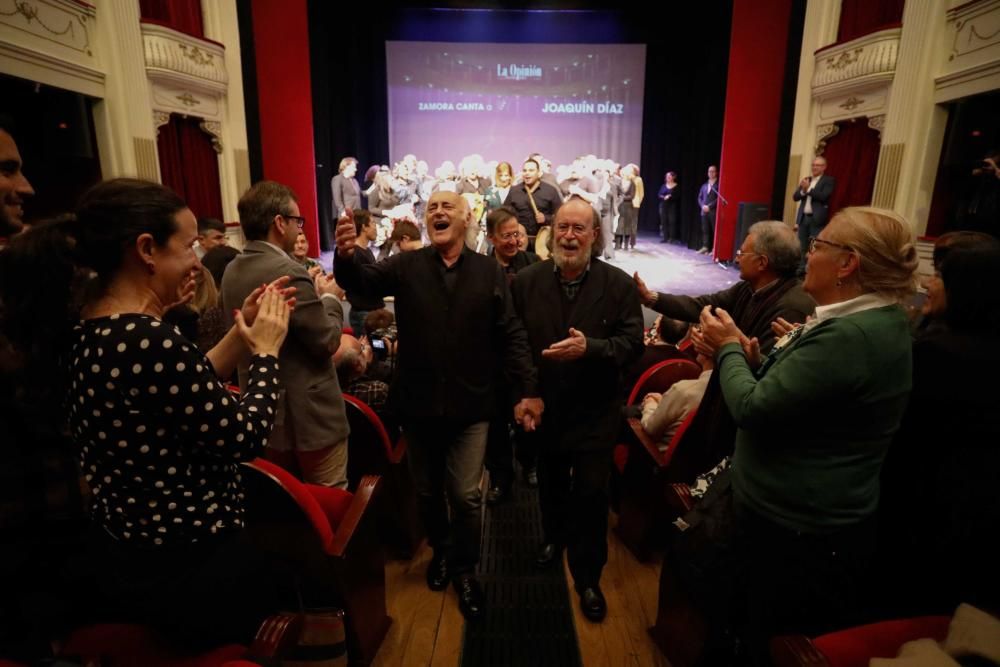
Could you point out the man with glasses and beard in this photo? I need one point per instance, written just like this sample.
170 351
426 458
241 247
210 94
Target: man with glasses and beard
584 326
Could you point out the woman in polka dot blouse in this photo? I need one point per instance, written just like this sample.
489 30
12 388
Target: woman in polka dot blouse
159 436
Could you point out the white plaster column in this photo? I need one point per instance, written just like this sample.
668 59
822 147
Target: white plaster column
221 25
819 30
914 125
123 119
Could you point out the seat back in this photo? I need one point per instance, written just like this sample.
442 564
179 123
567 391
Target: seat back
273 492
660 377
370 449
854 647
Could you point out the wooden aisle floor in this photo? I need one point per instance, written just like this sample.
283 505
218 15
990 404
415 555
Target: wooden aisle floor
427 626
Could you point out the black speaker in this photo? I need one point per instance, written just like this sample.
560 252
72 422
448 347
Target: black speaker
749 213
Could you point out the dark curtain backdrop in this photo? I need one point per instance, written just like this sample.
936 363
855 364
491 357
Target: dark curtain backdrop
687 50
852 158
182 15
190 166
861 17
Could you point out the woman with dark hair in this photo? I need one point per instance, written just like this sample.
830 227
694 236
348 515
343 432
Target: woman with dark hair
940 508
158 436
669 196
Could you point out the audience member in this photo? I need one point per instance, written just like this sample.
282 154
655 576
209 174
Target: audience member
661 343
300 253
940 509
159 436
14 185
217 259
360 306
200 320
352 359
211 234
312 432
663 414
815 419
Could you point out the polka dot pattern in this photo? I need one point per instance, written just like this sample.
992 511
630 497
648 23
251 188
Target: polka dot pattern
146 402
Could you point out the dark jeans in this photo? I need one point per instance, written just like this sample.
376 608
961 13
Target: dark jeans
503 445
708 229
669 223
446 461
573 493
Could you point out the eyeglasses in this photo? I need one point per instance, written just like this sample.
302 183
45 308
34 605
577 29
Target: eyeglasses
813 240
299 220
565 228
740 254
510 235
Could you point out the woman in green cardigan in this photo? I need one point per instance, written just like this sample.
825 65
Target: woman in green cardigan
815 420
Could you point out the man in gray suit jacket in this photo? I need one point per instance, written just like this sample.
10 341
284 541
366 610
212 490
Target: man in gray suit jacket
310 426
346 191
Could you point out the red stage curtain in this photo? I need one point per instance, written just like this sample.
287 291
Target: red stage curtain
183 15
861 17
190 166
852 158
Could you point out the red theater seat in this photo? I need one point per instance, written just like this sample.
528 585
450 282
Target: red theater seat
346 550
854 647
371 451
643 510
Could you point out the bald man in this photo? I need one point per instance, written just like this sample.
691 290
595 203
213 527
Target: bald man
458 332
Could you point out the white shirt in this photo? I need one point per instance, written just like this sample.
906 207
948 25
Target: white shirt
808 209
661 420
849 307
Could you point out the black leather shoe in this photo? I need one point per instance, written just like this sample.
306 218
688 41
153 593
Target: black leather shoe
471 600
592 604
496 495
548 555
437 573
531 477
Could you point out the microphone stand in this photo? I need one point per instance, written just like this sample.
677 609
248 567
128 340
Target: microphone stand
725 264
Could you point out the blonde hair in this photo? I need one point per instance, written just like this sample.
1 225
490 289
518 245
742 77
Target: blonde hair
887 254
205 293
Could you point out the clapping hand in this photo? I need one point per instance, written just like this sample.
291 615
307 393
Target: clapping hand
251 305
270 324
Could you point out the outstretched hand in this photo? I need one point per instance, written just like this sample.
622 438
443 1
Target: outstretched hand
567 349
647 296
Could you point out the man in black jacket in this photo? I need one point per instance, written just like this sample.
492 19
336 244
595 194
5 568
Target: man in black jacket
584 325
455 314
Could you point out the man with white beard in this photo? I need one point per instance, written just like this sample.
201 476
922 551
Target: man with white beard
584 326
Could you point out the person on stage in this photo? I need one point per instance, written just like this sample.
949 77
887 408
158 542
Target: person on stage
670 214
708 199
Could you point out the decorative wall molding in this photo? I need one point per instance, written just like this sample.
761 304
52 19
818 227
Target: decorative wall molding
160 118
52 42
877 123
61 22
186 75
213 128
823 134
844 68
868 101
182 60
972 64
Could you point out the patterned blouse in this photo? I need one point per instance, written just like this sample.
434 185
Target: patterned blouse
160 437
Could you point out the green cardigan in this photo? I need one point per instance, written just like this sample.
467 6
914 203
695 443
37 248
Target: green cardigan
813 431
